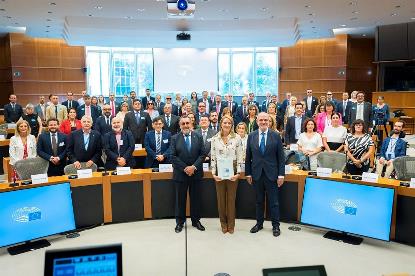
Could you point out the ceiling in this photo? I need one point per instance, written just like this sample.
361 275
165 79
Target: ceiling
216 23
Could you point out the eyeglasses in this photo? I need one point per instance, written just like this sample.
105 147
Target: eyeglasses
185 123
150 104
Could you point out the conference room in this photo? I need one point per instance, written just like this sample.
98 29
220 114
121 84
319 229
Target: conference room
207 137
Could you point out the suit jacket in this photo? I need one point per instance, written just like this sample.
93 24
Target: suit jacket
174 124
44 149
101 126
264 106
144 101
176 110
290 130
197 117
246 121
138 130
209 135
76 146
214 128
12 115
150 146
80 112
314 104
112 152
234 107
400 148
209 103
65 126
117 107
239 116
344 113
367 114
160 108
39 112
284 105
222 106
181 157
62 112
74 104
271 163
255 103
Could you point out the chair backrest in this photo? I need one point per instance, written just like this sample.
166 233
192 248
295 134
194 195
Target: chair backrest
404 167
3 132
334 160
298 158
27 167
70 169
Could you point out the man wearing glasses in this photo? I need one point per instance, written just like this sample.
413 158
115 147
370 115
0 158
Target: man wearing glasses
187 155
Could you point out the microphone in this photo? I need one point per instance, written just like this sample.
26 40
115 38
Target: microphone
105 173
14 184
347 176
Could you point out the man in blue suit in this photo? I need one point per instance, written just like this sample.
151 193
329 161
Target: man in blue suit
157 145
51 146
118 146
392 147
84 145
343 107
264 167
103 123
12 111
88 109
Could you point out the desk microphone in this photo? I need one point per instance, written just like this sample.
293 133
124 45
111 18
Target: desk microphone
14 184
105 173
347 176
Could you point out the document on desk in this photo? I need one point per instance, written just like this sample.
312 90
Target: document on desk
205 167
288 169
165 168
2 137
294 147
39 178
84 173
138 146
324 172
412 183
225 168
370 177
123 170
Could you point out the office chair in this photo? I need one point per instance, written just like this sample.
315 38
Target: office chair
70 169
27 167
404 167
334 160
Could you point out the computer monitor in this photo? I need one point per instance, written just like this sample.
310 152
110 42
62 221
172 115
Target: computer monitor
98 261
315 270
358 209
34 213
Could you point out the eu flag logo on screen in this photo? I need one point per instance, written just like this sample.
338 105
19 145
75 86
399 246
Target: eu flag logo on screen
348 210
35 216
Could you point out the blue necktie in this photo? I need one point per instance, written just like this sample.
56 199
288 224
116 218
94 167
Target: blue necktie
187 141
158 144
137 117
262 144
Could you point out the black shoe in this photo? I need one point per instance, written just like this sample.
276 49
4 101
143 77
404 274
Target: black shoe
179 228
276 231
198 226
256 228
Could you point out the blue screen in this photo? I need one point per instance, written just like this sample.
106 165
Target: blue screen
34 213
352 208
91 265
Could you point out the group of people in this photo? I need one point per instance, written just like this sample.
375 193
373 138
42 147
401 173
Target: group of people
188 133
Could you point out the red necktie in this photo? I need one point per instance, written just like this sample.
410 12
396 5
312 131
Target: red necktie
112 109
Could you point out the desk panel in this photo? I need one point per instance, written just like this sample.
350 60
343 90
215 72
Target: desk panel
88 205
245 200
405 220
127 201
163 198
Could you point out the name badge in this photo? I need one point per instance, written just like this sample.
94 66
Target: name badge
142 118
84 173
165 141
370 177
138 146
11 126
294 147
121 142
324 172
243 167
61 144
412 183
123 170
165 168
288 169
2 137
39 178
205 167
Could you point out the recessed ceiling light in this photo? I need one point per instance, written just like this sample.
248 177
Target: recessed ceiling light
343 25
412 18
52 3
311 14
307 6
2 10
90 15
363 34
141 10
353 3
160 0
49 12
48 20
128 17
397 7
355 12
264 9
236 18
394 14
223 10
98 7
353 18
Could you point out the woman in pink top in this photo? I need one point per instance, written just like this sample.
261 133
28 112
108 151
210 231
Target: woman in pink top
324 119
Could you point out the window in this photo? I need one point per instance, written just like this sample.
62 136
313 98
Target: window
98 72
123 73
266 73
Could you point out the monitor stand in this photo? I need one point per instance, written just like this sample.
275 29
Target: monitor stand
28 246
343 237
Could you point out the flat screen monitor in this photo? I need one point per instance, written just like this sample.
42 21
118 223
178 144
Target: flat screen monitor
361 210
315 270
97 261
35 213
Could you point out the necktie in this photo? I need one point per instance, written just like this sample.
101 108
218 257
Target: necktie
230 106
187 141
262 145
13 106
168 121
88 111
137 117
108 120
217 108
244 111
69 104
54 145
344 108
112 109
56 111
204 133
158 143
86 142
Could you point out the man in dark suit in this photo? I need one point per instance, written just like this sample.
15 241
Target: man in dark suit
251 100
242 111
343 107
88 109
40 109
157 145
12 111
118 146
311 104
159 105
264 167
84 145
218 106
52 147
231 104
70 103
294 126
170 121
147 98
205 99
201 111
187 155
285 102
329 97
103 123
206 133
361 110
115 107
214 124
266 102
131 100
138 122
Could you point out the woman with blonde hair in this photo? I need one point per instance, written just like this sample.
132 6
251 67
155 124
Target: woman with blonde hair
226 111
22 144
123 110
290 111
226 145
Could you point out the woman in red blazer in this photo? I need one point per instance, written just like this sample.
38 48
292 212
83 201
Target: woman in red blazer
70 124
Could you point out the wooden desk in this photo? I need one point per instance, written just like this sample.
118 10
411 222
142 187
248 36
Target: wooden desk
140 152
4 143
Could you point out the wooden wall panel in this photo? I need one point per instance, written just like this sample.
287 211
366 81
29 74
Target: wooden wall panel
398 100
46 66
6 84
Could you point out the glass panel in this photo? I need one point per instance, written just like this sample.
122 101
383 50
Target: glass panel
105 74
242 73
94 71
224 73
266 73
145 73
123 72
